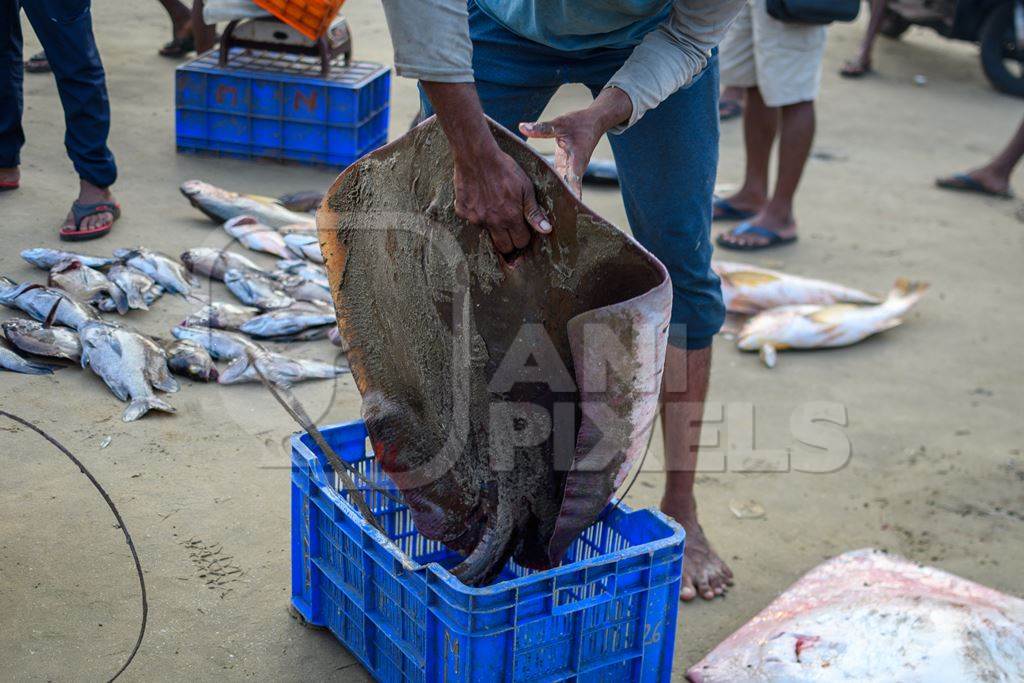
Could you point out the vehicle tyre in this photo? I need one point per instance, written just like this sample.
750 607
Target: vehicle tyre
893 25
1001 59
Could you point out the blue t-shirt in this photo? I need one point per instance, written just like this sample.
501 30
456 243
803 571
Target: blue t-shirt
579 24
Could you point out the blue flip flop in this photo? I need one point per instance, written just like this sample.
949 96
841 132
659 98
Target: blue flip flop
965 183
723 210
774 239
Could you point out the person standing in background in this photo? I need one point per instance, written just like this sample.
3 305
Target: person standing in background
855 68
779 66
64 28
189 32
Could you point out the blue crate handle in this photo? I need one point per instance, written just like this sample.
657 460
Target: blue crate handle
607 595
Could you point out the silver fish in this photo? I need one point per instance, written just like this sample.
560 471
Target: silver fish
284 322
221 345
140 289
9 360
305 290
221 316
87 284
190 359
213 263
311 334
221 205
305 245
310 272
305 201
167 272
39 302
130 364
48 258
255 289
278 369
33 337
256 236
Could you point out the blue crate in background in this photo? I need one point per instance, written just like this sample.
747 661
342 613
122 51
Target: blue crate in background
607 615
268 105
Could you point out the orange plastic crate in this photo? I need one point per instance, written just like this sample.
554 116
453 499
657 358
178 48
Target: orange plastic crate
309 17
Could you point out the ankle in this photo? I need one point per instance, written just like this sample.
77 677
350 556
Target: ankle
89 193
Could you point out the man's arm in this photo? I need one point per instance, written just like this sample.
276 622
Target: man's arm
670 56
432 44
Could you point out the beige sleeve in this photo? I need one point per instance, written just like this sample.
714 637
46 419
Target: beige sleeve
670 56
431 39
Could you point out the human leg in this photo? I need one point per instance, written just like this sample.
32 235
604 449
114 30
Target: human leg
205 35
862 63
994 177
675 146
12 137
65 30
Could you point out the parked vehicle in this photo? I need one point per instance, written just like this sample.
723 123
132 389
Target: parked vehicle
996 25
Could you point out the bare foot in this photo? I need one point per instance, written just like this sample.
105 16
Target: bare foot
704 572
91 194
783 227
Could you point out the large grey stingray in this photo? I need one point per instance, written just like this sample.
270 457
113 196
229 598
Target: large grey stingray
506 399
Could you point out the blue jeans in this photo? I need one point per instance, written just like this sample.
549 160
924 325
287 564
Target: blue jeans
64 27
667 161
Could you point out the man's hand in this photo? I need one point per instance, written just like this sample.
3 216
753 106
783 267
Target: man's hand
491 191
578 132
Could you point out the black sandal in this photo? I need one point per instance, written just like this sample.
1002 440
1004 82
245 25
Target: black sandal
178 47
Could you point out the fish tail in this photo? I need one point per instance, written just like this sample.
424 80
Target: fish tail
904 295
30 368
140 406
236 371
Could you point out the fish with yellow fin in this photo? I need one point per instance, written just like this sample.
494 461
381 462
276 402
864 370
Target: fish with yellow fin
750 289
811 326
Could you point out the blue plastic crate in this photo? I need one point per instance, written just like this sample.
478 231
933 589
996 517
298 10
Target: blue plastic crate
271 105
608 614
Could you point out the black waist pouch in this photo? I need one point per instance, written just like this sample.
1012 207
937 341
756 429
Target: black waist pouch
813 11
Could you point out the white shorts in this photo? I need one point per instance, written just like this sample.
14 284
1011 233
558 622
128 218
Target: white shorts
782 60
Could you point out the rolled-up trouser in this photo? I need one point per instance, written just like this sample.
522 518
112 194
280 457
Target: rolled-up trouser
666 161
782 60
64 27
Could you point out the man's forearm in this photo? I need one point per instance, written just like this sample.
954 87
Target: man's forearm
458 109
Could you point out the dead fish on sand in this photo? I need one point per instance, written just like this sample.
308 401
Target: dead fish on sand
130 364
869 616
278 369
221 316
190 359
285 322
255 289
817 327
305 245
222 345
87 284
48 258
257 236
213 263
140 289
44 303
750 289
167 272
33 337
310 272
222 205
9 360
304 201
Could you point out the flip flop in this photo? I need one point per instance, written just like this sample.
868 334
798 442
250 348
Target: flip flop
178 47
82 211
965 183
37 63
853 70
723 210
773 238
8 186
729 109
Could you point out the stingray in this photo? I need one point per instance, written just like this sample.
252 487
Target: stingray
506 397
